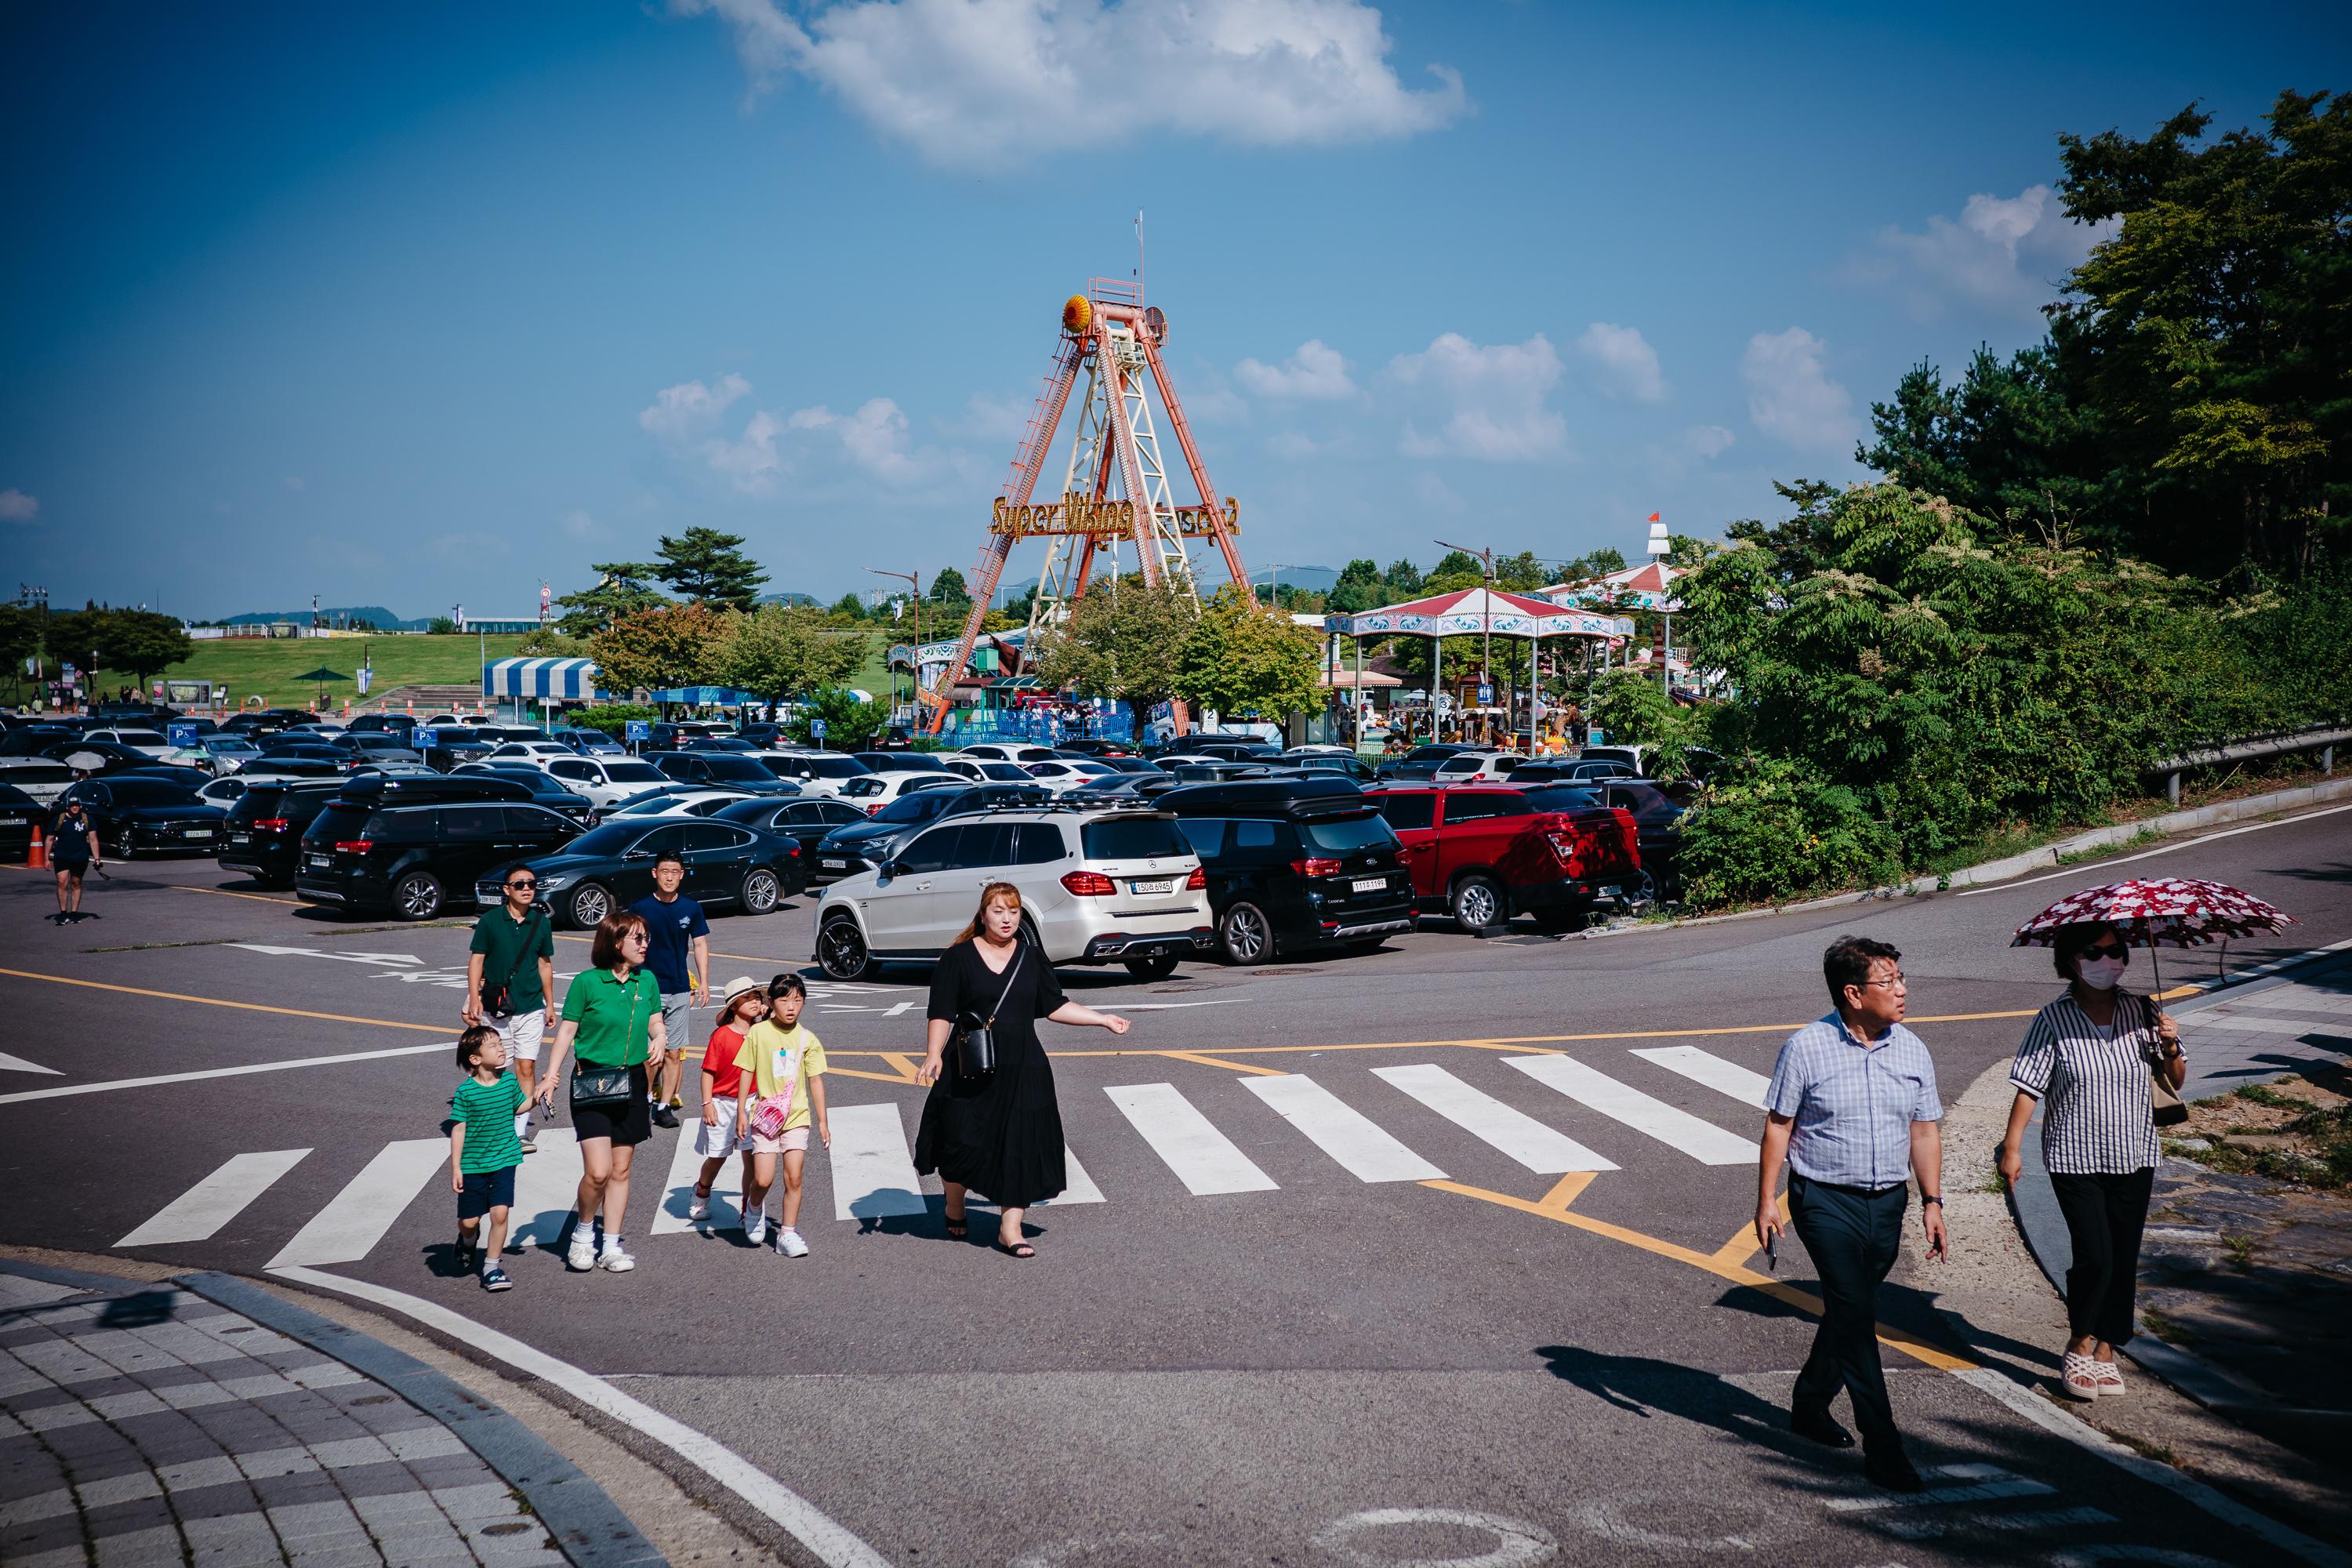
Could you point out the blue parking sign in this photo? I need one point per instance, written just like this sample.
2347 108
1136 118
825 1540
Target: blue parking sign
816 729
639 731
182 735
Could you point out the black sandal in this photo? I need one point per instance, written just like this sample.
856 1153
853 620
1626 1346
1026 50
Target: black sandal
1018 1249
957 1229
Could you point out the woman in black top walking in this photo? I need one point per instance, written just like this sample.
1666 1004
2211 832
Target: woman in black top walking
2092 1054
998 1133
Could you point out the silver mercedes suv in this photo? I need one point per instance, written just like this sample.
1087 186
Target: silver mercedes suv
1098 885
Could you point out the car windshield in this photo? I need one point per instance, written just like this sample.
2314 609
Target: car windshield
920 806
634 772
836 767
231 746
1563 797
724 765
858 788
1132 838
449 734
149 792
1344 834
138 738
613 839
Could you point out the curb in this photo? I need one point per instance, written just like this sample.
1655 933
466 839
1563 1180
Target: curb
2279 803
589 1526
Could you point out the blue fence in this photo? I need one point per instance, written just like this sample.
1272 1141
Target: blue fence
1044 726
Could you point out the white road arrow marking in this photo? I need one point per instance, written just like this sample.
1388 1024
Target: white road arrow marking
19 1064
380 959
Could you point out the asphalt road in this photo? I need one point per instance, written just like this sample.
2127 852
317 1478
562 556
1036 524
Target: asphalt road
1455 1273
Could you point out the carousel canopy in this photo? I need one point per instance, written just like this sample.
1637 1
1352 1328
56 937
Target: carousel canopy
1650 585
1467 612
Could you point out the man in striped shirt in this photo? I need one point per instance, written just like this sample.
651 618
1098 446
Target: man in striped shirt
1852 1109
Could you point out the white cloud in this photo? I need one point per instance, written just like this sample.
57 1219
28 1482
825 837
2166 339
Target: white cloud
686 420
690 409
578 524
991 83
1706 440
1213 403
1437 495
1791 397
294 482
873 439
2008 254
1315 372
1488 401
1297 445
988 418
15 506
1624 362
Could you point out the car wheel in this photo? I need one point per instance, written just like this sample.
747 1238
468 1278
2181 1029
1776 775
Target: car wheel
125 850
1244 934
589 904
1478 907
1152 966
416 897
841 949
762 892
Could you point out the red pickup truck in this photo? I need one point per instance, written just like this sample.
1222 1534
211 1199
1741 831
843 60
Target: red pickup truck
1482 853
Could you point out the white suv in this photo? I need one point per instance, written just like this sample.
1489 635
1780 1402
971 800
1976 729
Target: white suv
817 772
1477 767
1097 885
607 781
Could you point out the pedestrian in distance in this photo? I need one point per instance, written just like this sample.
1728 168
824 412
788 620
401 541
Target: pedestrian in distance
2091 1056
613 1018
997 1133
716 1135
1852 1110
679 956
785 1064
511 982
74 854
484 1152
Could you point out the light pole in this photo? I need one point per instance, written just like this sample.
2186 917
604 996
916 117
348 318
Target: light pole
914 580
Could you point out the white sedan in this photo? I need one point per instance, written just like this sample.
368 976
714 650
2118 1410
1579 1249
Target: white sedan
148 742
536 752
607 781
1063 774
678 803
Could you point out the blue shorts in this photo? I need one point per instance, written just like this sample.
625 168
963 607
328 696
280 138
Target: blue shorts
485 1191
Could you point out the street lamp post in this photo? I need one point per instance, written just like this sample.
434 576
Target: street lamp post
914 580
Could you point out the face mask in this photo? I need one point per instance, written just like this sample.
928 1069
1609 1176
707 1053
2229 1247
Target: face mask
2101 973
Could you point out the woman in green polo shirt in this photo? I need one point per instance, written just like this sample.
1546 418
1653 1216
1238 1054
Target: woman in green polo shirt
612 1018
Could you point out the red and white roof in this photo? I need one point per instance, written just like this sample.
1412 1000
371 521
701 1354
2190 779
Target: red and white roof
1651 585
1467 612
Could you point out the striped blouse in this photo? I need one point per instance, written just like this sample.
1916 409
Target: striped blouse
2097 1115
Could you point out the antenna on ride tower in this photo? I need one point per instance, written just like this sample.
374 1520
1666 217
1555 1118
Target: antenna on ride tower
1139 255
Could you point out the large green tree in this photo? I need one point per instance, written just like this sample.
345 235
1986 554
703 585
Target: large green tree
622 588
1358 588
2012 441
1242 659
1122 640
668 645
708 567
142 642
781 652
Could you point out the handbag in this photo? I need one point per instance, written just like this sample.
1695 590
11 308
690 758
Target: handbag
769 1121
494 998
975 1036
2166 1107
595 1087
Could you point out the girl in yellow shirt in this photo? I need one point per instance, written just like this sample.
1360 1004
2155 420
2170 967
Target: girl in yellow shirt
780 1059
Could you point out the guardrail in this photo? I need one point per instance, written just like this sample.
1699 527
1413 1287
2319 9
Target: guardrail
2323 740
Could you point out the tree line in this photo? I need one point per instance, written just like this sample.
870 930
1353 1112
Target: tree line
141 643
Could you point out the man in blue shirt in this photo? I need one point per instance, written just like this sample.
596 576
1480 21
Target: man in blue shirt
677 950
1853 1109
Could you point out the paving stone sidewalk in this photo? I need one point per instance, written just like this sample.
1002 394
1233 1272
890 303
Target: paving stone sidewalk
149 1426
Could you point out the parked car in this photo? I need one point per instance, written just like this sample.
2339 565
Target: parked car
817 772
853 849
806 822
544 791
1484 853
381 724
876 791
1569 770
1117 886
681 800
407 846
1230 748
226 754
33 740
901 761
194 780
367 749
717 743
1346 764
136 814
1698 760
1295 863
1009 751
608 781
1060 773
299 762
1478 767
668 736
18 813
1421 763
589 742
723 770
985 769
87 756
444 746
611 867
43 778
261 835
152 742
536 752
1657 822
1094 746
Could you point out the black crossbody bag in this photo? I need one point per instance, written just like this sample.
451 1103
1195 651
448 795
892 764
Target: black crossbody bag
975 1036
595 1087
494 998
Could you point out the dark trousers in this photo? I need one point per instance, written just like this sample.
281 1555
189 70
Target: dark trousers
2103 1217
1852 1237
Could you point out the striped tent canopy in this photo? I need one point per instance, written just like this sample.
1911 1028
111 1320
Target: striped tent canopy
558 680
1466 612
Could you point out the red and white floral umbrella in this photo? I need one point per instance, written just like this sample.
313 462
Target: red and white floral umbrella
2165 912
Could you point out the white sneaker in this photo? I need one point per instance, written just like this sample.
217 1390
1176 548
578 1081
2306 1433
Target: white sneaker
789 1243
755 1230
616 1258
698 1209
582 1257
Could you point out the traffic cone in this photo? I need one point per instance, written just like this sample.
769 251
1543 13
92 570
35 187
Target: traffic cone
37 857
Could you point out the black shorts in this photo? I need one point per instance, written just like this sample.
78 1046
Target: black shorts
485 1191
76 865
626 1125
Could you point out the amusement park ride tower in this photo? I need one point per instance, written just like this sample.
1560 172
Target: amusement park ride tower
1116 490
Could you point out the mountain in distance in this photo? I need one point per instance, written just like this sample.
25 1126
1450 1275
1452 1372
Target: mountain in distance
790 598
1308 579
335 615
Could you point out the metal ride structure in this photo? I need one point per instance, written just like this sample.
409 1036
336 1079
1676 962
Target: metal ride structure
1116 488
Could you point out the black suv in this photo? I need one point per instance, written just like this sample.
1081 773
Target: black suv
1294 863
444 746
612 867
263 835
403 844
723 770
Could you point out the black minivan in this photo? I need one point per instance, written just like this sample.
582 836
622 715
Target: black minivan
1295 863
262 836
402 844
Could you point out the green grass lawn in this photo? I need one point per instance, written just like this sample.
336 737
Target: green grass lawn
265 666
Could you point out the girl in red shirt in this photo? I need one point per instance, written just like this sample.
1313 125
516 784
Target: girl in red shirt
744 1004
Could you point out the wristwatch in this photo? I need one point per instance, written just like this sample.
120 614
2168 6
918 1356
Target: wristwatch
1936 1198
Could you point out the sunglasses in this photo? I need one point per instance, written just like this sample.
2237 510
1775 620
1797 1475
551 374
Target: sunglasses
2110 949
522 887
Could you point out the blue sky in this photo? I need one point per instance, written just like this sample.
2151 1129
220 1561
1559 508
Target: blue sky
425 304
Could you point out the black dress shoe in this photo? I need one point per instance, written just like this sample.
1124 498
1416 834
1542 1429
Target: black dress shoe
1894 1473
1821 1427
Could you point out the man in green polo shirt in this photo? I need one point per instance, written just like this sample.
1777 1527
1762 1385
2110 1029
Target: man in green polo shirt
513 958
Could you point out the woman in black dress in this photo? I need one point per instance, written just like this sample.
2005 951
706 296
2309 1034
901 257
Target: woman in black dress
999 1134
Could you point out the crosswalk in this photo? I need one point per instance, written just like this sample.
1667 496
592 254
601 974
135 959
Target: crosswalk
1377 1125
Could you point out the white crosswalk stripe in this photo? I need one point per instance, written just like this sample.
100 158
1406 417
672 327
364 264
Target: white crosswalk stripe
678 1195
1202 1158
872 1171
355 1219
1513 1131
219 1198
1702 1140
1979 1483
1340 1131
1705 1066
547 1191
1079 1187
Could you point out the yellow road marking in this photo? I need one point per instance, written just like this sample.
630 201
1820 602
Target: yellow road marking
1742 1245
1565 1193
217 1002
1200 1059
902 1061
225 893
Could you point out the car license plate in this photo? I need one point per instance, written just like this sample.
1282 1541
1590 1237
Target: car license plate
319 862
832 865
12 822
195 833
1163 885
1370 884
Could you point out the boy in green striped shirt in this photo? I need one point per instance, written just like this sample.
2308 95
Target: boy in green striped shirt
484 1149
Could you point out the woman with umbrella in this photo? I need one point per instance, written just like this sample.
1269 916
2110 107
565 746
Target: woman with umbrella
2093 1057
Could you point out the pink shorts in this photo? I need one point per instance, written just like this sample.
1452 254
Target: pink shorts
793 1139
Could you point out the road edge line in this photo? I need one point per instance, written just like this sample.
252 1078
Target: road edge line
2042 1414
830 1543
589 1527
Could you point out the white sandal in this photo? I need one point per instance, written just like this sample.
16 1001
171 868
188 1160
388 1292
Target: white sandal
2078 1379
2110 1378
